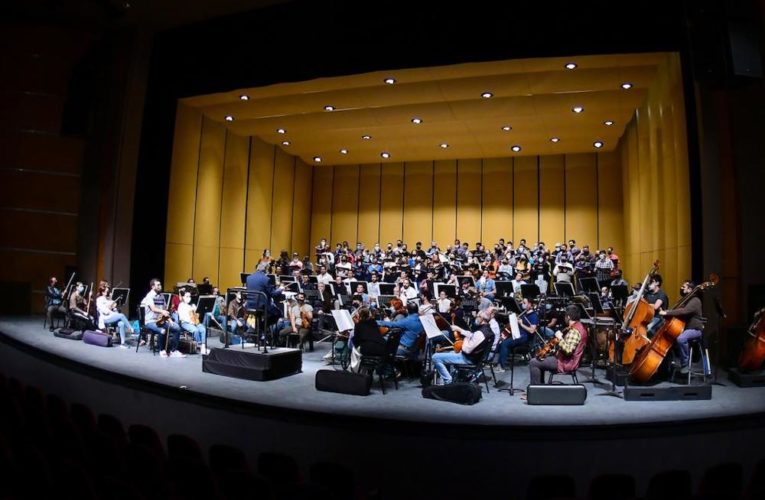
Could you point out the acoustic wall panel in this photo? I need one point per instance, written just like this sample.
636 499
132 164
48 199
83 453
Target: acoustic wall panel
345 204
369 204
281 207
259 198
391 202
445 202
183 176
581 199
552 196
301 213
469 180
497 216
321 214
418 203
526 199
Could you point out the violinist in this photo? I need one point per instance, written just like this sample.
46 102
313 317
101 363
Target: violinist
472 347
527 325
570 349
78 307
156 312
300 317
412 328
691 313
54 301
108 314
189 321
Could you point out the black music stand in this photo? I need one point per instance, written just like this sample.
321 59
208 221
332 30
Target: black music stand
356 283
285 277
120 295
451 290
272 279
387 288
589 285
384 300
564 289
530 291
243 277
504 289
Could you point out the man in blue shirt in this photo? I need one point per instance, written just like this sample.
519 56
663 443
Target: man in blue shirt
258 282
527 325
411 329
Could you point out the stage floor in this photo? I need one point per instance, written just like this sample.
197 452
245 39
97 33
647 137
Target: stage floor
297 392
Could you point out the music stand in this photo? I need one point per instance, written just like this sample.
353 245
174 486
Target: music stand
619 293
205 305
120 295
469 279
312 295
387 288
291 286
504 289
451 290
596 304
272 279
243 277
285 277
564 289
589 285
313 279
356 283
205 289
530 291
512 306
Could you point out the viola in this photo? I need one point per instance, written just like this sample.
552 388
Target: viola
545 350
637 315
753 353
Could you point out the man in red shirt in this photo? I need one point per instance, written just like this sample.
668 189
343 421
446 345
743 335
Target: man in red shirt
571 345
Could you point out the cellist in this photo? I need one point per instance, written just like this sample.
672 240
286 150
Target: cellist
691 313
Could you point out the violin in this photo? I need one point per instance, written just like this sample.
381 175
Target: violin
194 317
304 321
753 353
546 349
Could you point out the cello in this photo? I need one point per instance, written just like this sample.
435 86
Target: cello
637 315
753 353
648 360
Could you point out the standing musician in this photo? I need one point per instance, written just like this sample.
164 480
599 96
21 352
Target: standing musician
528 324
156 312
570 348
189 321
258 282
54 301
109 315
77 306
691 312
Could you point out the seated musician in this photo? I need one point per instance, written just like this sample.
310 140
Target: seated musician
360 298
156 310
411 330
78 309
658 300
444 302
305 282
190 322
235 316
527 326
367 340
570 349
426 306
407 291
54 301
486 289
516 282
691 313
564 271
300 316
108 314
323 276
218 312
295 263
473 346
505 269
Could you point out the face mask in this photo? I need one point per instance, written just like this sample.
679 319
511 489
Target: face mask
187 300
80 289
683 293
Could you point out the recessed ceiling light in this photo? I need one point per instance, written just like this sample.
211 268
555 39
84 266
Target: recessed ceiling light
366 137
285 143
416 120
281 131
516 148
598 144
608 123
571 65
343 151
577 109
385 155
626 85
390 80
507 128
244 97
317 159
487 95
329 107
443 145
229 118
554 139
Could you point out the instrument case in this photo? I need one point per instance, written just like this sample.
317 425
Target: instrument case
343 382
93 337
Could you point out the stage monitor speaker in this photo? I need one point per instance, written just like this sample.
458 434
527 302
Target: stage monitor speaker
250 365
343 382
670 393
556 394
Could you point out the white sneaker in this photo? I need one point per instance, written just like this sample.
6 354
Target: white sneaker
124 346
249 344
177 354
203 350
328 355
163 354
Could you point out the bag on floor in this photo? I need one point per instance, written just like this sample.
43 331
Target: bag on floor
93 337
464 393
67 333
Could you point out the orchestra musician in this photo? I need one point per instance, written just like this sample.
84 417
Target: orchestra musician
108 314
412 328
78 308
300 317
487 290
367 340
691 313
156 311
54 301
527 326
472 347
189 321
658 300
570 349
444 303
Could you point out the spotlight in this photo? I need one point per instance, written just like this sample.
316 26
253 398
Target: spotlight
229 118
598 144
608 123
487 95
554 139
507 128
281 131
317 159
443 145
366 137
390 80
577 109
626 85
244 97
385 155
343 151
516 148
329 107
416 120
571 65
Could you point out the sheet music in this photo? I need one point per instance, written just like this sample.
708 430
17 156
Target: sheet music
514 328
343 320
429 323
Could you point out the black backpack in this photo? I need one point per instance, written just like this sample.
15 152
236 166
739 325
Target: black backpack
464 393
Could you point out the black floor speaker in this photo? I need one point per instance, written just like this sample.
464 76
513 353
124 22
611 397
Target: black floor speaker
253 365
670 393
342 382
744 379
556 394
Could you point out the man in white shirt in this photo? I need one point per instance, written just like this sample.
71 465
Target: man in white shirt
189 321
156 312
324 276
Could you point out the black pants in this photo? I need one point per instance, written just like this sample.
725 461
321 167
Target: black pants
51 311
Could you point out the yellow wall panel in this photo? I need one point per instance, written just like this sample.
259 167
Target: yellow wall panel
301 214
497 217
234 203
345 204
581 199
445 203
526 200
183 175
610 220
281 206
391 202
551 200
259 198
418 203
208 201
231 261
369 205
177 266
321 212
469 201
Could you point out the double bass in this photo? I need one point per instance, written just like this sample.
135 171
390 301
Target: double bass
753 354
637 315
650 358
